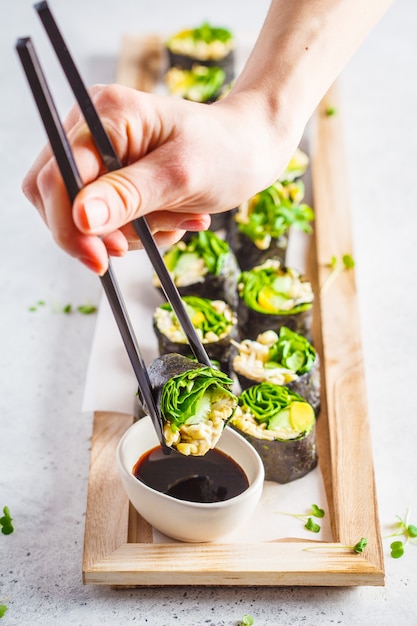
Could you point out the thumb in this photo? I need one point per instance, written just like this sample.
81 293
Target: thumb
106 204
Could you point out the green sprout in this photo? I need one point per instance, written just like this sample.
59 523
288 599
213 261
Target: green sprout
6 522
310 524
3 609
337 267
87 309
35 307
247 620
359 547
408 533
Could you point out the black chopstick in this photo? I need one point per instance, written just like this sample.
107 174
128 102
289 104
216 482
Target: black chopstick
73 183
112 162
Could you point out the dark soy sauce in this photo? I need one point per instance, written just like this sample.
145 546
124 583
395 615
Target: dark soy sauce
213 477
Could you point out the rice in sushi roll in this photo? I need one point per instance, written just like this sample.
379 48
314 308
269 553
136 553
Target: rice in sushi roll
206 45
195 401
215 323
204 265
281 427
272 295
286 359
261 225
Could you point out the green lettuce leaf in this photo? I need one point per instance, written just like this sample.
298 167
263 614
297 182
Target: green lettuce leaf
187 398
293 351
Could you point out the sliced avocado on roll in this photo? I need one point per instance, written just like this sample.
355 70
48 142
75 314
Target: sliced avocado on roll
280 424
196 402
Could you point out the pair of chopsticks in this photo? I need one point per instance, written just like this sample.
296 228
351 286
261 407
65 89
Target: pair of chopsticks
73 184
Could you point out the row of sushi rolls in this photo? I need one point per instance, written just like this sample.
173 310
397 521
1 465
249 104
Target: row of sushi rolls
252 313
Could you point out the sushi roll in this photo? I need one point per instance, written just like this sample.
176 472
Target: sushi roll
280 425
195 401
215 323
207 45
272 295
261 225
286 359
204 265
198 84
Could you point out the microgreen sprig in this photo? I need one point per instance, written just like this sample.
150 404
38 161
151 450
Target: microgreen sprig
408 533
247 620
358 547
337 267
3 609
6 522
310 524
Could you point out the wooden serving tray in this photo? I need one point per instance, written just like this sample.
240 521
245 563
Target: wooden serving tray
119 548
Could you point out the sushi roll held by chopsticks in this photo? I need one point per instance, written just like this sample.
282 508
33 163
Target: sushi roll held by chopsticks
195 401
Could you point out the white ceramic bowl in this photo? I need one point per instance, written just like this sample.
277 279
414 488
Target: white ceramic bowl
180 519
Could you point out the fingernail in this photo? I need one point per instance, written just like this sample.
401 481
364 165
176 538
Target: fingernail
96 267
96 213
193 225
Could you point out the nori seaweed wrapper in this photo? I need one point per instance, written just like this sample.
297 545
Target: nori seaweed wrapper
220 352
260 227
285 359
207 251
195 401
222 221
186 62
284 460
261 293
248 254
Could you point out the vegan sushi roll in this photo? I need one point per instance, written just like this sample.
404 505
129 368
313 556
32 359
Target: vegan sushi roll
195 401
199 84
203 266
262 224
272 295
208 45
281 427
285 359
215 323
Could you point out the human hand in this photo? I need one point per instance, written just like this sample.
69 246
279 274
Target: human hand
183 161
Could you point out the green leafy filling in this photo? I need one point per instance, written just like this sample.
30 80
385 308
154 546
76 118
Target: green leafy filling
206 32
203 315
267 289
293 351
273 211
205 245
199 84
187 398
271 404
